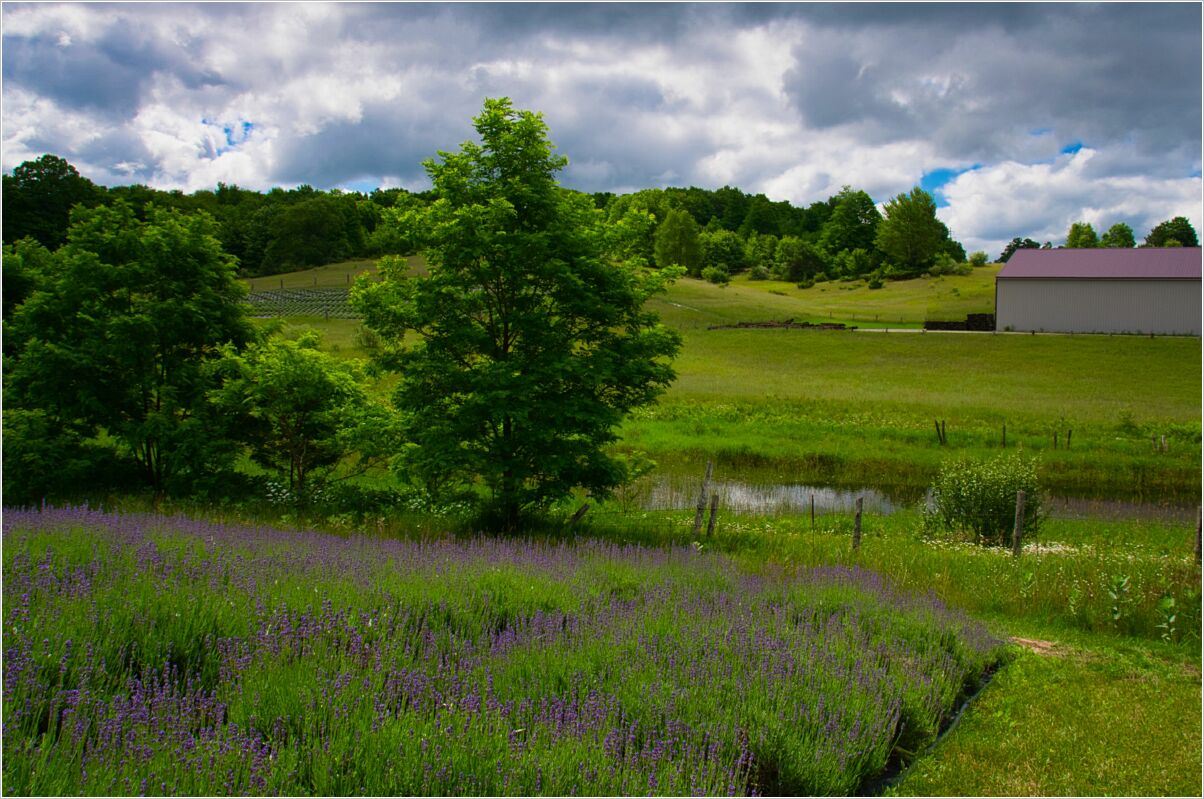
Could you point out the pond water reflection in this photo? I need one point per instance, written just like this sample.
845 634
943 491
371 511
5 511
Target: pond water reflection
679 491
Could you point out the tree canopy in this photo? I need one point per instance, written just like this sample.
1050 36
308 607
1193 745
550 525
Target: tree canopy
529 343
1081 236
116 334
1176 232
1017 244
1119 236
910 233
677 242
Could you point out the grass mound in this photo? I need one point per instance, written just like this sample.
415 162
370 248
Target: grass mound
146 652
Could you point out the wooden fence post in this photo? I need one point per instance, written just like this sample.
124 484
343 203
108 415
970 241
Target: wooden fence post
578 516
1018 530
944 438
714 509
1055 439
1068 434
1197 535
702 499
857 526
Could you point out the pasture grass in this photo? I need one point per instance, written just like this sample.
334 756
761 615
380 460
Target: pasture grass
899 303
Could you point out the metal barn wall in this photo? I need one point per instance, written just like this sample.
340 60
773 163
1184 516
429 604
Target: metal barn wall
1090 305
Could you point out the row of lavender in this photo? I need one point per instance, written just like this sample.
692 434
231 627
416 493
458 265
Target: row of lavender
145 653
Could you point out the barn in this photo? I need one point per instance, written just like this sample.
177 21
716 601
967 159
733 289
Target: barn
1142 290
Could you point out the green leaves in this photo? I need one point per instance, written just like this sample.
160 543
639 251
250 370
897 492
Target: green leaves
526 344
979 497
910 233
117 332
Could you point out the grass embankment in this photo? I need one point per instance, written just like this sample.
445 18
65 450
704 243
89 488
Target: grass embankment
144 653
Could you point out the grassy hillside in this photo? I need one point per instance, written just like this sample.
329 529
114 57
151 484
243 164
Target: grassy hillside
905 303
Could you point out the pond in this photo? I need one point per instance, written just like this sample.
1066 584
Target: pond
680 491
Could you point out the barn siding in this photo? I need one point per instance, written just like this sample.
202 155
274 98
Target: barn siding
1098 306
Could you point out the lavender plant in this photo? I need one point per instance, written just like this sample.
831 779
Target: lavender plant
146 653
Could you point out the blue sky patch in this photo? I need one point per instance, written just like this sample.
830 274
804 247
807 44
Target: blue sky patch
1072 148
932 182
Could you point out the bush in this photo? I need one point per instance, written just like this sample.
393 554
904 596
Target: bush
758 272
978 258
716 275
979 497
875 282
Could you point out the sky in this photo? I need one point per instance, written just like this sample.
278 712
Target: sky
1019 118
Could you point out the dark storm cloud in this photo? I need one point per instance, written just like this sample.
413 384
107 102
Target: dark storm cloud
108 76
1097 73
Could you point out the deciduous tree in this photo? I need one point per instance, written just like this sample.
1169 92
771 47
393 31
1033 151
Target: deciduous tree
852 224
1176 232
1119 236
117 335
910 234
1081 236
677 242
527 345
302 412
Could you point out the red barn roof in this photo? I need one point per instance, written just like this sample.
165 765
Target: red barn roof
1139 263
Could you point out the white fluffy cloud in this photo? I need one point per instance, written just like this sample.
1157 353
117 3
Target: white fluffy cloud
1044 199
792 100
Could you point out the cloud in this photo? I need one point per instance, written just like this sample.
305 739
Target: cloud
793 100
987 206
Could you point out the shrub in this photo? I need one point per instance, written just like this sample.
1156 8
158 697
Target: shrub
979 497
820 277
978 258
875 282
716 275
758 272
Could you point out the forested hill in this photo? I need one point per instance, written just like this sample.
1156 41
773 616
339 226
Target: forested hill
281 230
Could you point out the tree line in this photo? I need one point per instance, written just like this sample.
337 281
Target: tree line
1175 232
711 233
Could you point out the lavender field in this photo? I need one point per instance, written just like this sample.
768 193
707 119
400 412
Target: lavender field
155 654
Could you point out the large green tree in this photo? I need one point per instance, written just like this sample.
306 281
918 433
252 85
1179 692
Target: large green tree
1081 236
38 197
853 223
910 233
527 345
1119 236
677 242
1176 232
117 333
